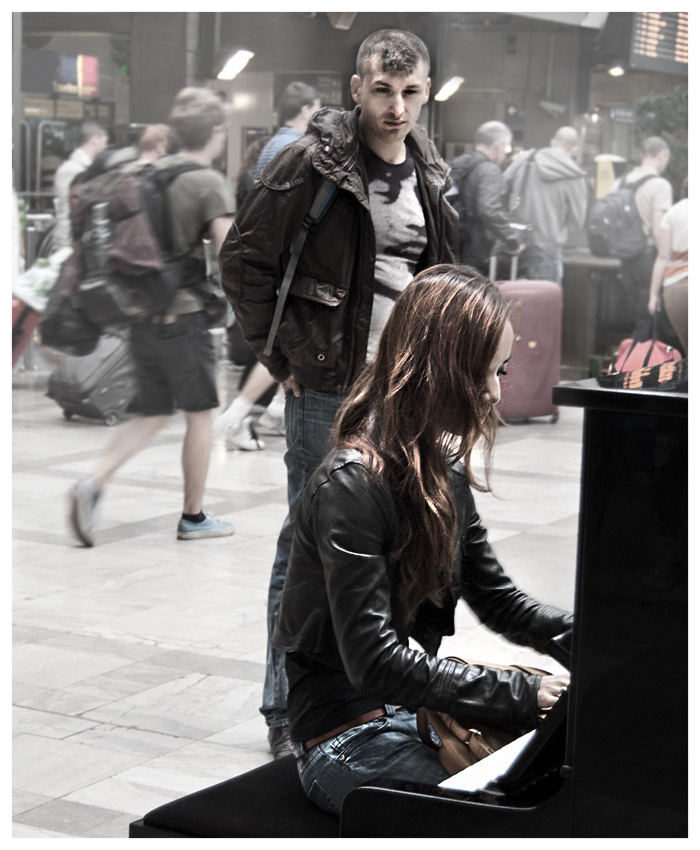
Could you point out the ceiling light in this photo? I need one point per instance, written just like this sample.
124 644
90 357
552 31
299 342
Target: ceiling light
235 64
449 88
341 20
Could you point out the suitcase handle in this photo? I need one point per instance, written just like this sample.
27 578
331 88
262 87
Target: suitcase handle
500 247
493 264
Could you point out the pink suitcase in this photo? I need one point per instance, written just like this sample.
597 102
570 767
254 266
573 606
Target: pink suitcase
534 367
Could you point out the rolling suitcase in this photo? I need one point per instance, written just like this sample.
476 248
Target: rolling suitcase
24 320
99 385
534 367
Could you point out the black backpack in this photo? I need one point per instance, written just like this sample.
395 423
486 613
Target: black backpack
614 226
122 234
471 231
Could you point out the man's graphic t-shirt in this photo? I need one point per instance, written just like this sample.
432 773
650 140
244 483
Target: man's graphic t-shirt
399 228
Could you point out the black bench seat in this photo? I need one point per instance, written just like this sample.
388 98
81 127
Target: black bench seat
267 802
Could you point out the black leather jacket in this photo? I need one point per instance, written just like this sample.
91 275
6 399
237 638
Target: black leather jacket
322 339
483 224
339 603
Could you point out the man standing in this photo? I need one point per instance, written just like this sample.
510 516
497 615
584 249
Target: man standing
174 354
654 197
92 141
483 221
297 105
153 143
547 191
388 220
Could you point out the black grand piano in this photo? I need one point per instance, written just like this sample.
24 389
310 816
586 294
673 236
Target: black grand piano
611 759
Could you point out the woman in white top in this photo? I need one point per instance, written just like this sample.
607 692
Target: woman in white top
671 269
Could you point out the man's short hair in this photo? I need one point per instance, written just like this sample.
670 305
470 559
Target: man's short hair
88 130
152 136
492 132
397 51
295 97
194 114
566 138
653 146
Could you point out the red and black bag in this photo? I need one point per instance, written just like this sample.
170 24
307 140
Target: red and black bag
643 349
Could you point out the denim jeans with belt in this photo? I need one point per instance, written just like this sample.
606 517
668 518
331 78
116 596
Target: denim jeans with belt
388 747
308 423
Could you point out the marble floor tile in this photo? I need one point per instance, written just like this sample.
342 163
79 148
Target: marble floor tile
194 766
76 819
47 724
21 830
138 664
23 801
122 795
57 767
190 727
127 740
52 666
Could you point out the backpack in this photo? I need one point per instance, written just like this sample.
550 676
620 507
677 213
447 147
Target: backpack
121 223
614 226
474 242
460 170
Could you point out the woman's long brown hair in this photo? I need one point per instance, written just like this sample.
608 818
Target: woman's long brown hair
419 406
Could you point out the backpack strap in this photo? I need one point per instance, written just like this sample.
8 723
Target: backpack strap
322 200
518 199
163 177
634 186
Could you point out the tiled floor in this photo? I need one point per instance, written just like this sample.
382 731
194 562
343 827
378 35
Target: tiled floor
138 664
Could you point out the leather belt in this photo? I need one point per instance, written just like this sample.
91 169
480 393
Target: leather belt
357 721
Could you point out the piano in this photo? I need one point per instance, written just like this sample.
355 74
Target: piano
611 758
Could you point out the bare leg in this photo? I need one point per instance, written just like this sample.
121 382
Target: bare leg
130 438
195 458
258 381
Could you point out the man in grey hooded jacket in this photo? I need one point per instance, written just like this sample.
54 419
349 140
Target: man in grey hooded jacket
547 191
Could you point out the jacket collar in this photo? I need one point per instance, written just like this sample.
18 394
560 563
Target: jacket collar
337 154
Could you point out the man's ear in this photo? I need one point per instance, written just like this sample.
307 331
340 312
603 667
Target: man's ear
427 90
355 84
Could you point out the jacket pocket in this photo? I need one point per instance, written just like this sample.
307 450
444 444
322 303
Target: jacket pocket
311 331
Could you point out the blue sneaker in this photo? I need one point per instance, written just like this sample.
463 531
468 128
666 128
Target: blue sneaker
209 527
83 501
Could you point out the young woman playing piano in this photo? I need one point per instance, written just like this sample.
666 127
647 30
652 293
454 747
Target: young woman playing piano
387 538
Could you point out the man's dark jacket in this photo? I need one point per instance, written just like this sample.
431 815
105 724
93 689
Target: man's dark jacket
483 221
322 339
340 602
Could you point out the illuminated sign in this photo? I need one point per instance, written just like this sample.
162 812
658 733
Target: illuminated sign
46 72
660 42
77 75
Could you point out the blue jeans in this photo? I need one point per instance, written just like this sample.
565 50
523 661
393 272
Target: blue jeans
386 748
308 423
536 265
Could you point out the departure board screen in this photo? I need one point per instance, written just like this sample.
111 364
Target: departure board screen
660 42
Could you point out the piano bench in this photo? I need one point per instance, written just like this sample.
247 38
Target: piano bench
267 802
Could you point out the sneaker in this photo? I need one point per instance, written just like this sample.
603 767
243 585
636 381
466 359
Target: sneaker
280 744
270 423
83 500
209 527
221 425
244 437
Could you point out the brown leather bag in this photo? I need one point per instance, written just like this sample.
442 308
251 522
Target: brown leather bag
460 746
